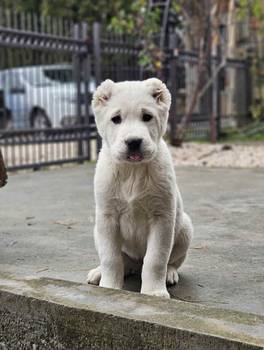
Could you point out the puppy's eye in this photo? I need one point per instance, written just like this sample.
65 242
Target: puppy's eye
146 117
117 119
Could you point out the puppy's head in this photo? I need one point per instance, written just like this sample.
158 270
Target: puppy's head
131 117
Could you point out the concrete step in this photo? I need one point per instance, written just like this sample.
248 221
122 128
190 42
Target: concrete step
56 314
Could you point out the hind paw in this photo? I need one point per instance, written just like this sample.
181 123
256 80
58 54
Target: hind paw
172 275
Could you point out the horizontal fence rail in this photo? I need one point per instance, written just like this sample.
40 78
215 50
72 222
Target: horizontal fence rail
14 38
37 148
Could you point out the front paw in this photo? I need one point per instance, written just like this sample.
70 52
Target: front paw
157 293
94 276
110 284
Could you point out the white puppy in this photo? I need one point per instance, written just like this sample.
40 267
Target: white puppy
139 212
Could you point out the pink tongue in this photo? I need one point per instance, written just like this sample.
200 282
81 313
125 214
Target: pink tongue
135 156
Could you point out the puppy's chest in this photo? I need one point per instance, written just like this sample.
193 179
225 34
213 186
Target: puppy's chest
134 220
138 200
131 191
134 196
140 195
137 204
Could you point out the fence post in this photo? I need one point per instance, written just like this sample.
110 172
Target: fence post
97 65
3 175
77 73
248 87
86 71
97 52
215 122
173 87
215 129
218 106
218 93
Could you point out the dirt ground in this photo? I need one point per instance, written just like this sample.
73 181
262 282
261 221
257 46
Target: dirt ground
219 155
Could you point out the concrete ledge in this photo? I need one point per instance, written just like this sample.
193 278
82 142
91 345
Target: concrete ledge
55 314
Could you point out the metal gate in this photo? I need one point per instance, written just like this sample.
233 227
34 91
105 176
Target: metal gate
223 99
45 91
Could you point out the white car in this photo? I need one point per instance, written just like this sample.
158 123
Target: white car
42 96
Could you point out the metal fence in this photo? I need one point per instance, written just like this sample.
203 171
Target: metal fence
45 92
116 56
50 67
223 100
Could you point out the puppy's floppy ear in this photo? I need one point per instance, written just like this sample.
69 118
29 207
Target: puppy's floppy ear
159 91
103 93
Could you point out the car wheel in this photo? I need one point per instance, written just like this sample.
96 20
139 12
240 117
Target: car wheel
39 120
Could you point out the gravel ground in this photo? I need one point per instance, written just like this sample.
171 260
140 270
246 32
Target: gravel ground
219 155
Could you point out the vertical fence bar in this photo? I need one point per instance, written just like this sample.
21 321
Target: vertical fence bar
97 65
77 73
214 132
86 70
97 52
219 116
173 62
219 112
248 86
3 175
218 92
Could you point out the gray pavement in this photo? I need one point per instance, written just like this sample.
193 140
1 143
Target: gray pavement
46 230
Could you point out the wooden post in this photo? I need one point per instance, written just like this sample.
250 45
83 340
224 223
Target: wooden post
3 175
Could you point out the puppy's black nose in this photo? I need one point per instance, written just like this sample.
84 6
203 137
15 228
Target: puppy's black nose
133 144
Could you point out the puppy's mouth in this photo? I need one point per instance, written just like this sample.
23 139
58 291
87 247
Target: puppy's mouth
135 157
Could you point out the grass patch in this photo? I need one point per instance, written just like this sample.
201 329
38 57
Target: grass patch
253 132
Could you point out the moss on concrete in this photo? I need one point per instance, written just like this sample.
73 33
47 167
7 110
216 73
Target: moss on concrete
195 319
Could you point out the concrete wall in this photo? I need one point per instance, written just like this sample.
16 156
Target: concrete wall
62 315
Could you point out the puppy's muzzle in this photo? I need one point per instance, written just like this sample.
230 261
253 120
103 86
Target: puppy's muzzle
133 145
134 149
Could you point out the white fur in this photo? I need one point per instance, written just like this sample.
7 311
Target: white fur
139 212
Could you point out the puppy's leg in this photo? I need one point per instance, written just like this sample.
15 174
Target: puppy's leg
131 266
179 251
157 256
108 243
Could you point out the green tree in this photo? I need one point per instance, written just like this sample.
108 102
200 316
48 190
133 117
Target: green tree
122 16
23 5
251 12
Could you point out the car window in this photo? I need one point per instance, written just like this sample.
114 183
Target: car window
35 77
59 75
